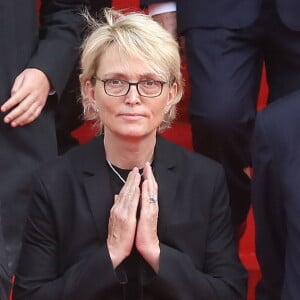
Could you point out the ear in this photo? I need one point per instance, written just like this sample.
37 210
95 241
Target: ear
171 96
89 91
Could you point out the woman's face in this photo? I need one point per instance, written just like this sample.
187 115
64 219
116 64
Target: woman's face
132 115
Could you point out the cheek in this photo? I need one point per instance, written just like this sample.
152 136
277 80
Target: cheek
105 111
104 105
108 110
158 113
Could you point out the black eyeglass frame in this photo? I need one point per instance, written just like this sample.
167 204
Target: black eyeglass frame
136 84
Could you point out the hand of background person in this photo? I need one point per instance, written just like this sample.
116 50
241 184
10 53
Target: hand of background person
122 220
168 21
28 97
147 242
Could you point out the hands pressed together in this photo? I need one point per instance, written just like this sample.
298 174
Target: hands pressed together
125 230
28 97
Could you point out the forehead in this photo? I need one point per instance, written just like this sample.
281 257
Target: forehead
113 61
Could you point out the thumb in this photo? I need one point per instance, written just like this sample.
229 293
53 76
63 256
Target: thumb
18 83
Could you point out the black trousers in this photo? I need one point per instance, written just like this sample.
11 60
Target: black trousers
225 67
22 151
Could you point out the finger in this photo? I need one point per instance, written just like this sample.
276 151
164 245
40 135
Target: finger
17 94
18 83
31 114
151 180
149 207
13 101
147 172
147 222
126 202
128 185
129 194
20 109
134 192
152 184
116 198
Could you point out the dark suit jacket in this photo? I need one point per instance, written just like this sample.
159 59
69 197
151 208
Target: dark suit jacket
65 256
276 197
68 113
229 13
51 47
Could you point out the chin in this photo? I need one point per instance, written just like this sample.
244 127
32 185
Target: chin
137 134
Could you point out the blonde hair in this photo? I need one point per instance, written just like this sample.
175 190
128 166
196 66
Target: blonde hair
135 34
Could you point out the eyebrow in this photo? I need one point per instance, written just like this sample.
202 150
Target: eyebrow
124 75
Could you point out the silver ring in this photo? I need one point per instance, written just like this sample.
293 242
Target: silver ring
153 199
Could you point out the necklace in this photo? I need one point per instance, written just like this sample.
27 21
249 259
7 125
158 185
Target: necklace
115 171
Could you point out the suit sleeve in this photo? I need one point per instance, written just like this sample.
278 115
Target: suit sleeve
291 288
267 205
222 278
59 40
39 274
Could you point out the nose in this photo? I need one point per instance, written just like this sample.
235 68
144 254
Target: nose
132 96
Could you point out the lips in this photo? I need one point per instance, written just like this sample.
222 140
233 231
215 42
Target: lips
132 115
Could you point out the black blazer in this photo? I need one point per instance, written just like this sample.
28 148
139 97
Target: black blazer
51 48
276 200
65 256
229 13
51 45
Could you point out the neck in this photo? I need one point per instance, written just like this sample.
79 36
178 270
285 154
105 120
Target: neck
127 153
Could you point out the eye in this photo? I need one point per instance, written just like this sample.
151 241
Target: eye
115 82
150 83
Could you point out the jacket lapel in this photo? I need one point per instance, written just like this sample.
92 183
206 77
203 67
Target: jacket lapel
97 185
166 174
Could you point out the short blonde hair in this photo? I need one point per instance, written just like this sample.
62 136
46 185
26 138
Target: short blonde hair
138 35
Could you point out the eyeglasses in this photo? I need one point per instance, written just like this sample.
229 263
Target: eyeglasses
119 87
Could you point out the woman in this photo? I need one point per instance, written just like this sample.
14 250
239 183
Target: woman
130 215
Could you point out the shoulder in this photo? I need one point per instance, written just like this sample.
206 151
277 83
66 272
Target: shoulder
195 163
278 123
281 112
71 164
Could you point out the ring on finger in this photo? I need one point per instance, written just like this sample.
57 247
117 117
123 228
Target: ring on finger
153 199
